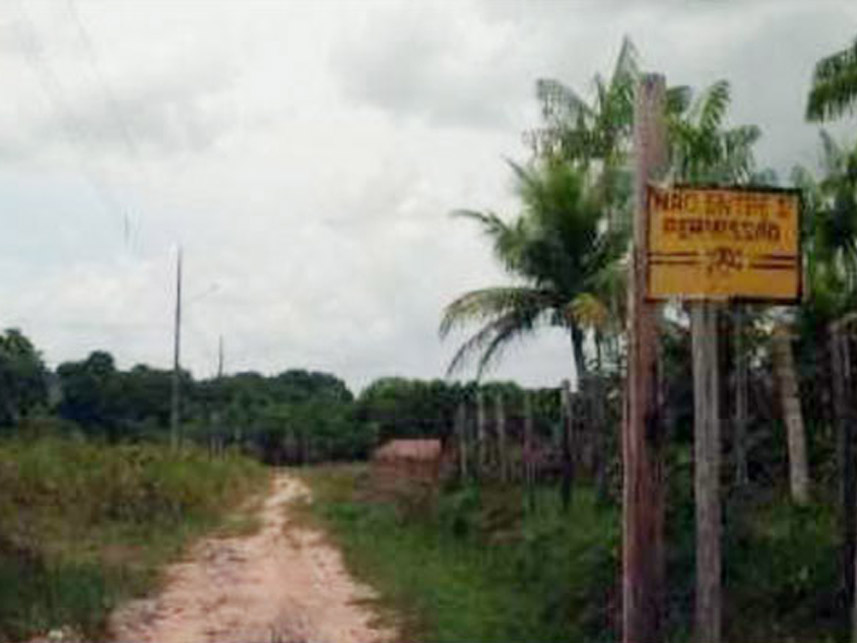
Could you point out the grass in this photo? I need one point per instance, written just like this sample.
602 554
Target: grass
474 566
86 526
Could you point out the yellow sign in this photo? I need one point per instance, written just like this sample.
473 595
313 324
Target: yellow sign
712 243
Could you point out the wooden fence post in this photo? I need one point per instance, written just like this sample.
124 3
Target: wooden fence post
481 446
597 402
529 451
500 418
566 444
461 434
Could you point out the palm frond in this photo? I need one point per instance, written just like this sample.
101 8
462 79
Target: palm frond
588 311
832 155
710 107
627 66
678 99
834 85
507 239
488 219
489 303
491 339
560 101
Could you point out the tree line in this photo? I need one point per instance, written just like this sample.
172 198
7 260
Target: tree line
294 417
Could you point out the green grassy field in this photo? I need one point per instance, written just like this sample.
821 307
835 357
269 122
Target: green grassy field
471 568
85 526
477 566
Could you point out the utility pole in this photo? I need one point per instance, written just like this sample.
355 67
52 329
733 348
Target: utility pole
175 405
642 435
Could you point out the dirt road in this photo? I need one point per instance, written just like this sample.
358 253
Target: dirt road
283 584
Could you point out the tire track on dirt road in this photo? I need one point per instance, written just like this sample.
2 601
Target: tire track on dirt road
282 584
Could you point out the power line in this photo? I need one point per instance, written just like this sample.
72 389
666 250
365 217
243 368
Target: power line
72 129
113 105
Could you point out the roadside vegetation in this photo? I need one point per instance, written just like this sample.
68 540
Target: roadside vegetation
85 525
475 565
491 564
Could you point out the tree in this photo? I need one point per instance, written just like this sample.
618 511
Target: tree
558 253
402 408
590 132
830 257
830 231
22 377
88 392
834 85
142 397
702 149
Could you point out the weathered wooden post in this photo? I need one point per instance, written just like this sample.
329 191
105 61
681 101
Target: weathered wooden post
706 448
529 451
643 492
566 444
500 419
841 380
461 435
686 246
597 417
481 443
741 388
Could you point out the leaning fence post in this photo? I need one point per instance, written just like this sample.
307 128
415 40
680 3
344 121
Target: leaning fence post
565 442
500 417
461 435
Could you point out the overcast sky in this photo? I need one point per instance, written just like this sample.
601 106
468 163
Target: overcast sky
306 156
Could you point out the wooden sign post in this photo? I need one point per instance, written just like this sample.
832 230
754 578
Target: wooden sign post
706 468
642 484
709 246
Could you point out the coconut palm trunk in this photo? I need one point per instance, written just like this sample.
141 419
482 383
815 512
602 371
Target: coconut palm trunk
577 339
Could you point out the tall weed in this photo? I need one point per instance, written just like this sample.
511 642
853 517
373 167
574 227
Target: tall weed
84 525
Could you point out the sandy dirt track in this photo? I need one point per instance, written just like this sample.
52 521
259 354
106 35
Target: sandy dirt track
283 584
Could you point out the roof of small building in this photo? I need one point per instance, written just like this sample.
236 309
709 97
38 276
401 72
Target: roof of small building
414 449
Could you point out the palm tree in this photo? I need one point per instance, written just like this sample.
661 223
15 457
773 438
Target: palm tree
834 85
830 259
830 234
702 149
558 252
584 132
597 134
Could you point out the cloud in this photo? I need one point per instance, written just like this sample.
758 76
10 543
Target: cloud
447 68
307 154
65 96
181 112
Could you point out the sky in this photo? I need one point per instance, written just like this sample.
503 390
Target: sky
306 156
